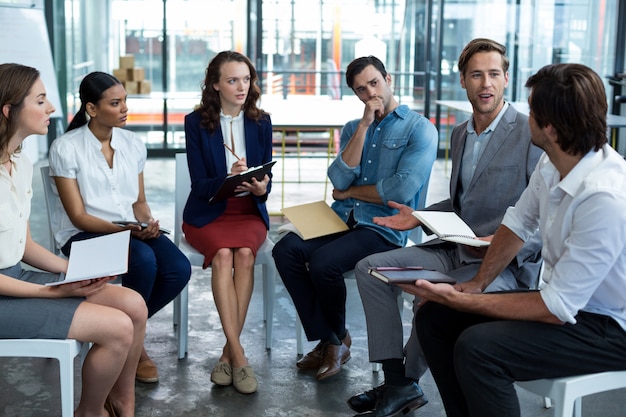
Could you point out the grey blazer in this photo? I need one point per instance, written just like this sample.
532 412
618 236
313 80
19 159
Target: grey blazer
502 173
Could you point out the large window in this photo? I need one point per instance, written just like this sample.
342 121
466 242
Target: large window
301 48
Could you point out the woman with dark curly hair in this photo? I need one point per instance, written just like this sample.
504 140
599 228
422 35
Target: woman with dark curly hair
225 135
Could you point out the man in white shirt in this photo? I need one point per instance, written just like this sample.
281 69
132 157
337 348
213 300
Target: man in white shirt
478 344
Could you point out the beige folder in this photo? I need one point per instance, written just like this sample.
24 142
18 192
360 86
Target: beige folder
313 220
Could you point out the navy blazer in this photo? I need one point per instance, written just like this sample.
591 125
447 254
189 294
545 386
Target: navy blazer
207 166
501 175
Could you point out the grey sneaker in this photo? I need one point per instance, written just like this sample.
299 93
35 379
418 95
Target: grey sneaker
222 374
244 380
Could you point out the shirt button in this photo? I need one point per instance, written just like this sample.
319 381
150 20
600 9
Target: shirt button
373 145
365 179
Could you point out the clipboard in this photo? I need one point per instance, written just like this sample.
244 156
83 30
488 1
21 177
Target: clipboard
227 189
313 220
101 256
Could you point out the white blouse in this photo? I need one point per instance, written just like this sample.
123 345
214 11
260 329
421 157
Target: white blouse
108 193
17 193
234 137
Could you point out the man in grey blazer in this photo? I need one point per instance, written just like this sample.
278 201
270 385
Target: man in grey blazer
492 160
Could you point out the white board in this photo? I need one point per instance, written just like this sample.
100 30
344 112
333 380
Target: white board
24 40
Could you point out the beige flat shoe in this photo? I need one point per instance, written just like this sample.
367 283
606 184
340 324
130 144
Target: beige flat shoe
222 374
244 380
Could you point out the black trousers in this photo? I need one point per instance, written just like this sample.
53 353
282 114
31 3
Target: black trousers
312 271
475 360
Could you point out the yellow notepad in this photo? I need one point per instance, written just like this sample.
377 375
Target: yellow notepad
313 220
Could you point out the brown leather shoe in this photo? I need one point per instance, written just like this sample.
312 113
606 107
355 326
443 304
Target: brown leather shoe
147 372
347 340
333 357
313 359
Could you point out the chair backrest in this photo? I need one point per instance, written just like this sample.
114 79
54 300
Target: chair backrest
182 187
50 202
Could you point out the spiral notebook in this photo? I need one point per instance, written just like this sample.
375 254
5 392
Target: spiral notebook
448 226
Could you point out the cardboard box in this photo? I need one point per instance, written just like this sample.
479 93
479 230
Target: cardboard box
121 74
135 74
145 87
132 87
127 61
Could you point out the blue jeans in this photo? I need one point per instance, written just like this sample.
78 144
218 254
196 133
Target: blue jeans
156 269
312 271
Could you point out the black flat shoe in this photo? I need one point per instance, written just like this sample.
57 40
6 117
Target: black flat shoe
365 401
397 399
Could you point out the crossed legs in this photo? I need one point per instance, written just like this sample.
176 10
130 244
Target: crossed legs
233 282
114 320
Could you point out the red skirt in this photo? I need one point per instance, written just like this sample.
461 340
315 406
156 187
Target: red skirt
240 226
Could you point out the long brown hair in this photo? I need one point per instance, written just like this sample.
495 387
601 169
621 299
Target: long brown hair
16 81
210 104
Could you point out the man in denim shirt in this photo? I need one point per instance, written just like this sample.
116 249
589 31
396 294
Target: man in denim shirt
387 155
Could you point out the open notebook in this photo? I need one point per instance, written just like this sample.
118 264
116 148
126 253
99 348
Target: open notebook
101 256
447 225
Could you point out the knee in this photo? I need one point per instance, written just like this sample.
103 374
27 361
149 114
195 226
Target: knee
284 249
244 256
135 307
143 260
223 257
183 270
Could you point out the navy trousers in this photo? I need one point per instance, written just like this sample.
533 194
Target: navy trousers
312 271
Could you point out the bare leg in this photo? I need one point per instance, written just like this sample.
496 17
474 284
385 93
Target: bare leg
232 294
118 335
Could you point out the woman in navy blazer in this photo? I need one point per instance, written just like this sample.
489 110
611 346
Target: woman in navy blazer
225 135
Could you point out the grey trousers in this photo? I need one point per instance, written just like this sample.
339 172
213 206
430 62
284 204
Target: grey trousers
385 333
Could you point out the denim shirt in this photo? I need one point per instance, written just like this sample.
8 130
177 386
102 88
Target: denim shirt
398 155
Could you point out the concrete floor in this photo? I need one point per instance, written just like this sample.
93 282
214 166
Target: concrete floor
29 387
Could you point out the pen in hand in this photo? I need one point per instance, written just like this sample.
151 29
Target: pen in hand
231 151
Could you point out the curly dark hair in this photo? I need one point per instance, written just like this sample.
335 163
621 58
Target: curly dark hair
210 103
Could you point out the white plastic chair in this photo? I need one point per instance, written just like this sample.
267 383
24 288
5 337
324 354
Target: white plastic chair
264 254
63 350
567 392
415 237
180 303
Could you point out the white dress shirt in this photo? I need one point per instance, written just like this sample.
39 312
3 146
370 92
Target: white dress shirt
582 219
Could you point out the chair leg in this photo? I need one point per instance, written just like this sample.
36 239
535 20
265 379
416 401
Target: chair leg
66 372
578 407
269 288
181 318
